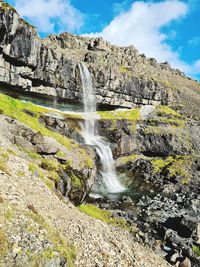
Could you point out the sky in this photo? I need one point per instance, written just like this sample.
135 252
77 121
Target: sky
168 30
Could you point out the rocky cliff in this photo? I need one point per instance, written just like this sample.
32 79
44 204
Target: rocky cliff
44 162
48 67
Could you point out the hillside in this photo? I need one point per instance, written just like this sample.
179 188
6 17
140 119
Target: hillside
53 210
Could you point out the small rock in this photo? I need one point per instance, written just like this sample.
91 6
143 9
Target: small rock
185 263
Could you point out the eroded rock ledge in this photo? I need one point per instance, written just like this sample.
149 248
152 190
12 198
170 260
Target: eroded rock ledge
48 67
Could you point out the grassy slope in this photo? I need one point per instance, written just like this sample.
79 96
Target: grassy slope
14 109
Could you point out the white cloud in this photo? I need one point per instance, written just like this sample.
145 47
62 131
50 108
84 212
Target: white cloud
142 25
50 15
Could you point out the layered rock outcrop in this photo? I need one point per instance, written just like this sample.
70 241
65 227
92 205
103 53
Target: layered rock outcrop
156 147
48 67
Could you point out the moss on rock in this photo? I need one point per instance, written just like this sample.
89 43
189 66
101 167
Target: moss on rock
123 114
50 165
126 159
177 166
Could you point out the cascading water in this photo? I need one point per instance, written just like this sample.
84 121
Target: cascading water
91 137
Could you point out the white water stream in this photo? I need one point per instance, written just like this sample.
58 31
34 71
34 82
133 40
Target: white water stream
91 137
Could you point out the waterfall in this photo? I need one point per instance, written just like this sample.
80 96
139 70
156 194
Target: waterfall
109 178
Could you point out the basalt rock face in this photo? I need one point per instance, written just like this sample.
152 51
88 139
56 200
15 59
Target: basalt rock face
159 150
48 67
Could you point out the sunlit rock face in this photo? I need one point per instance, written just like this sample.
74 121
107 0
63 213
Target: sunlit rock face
49 67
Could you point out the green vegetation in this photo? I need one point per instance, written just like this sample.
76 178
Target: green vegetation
196 249
77 116
20 173
14 109
32 167
167 111
168 116
48 178
60 245
126 159
131 115
4 156
105 216
3 166
160 164
76 182
124 69
171 122
34 155
123 114
50 165
169 85
3 243
158 130
175 166
53 176
179 167
9 213
60 154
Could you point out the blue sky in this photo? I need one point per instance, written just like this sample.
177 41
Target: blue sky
165 29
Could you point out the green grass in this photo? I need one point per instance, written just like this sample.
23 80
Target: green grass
124 69
21 174
4 154
34 155
76 182
49 178
14 109
53 176
77 116
196 249
3 166
168 84
167 111
50 165
60 154
160 164
171 122
176 166
3 242
168 116
32 167
179 167
9 213
131 114
126 159
105 216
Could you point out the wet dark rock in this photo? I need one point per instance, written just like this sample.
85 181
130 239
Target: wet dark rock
172 221
28 112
